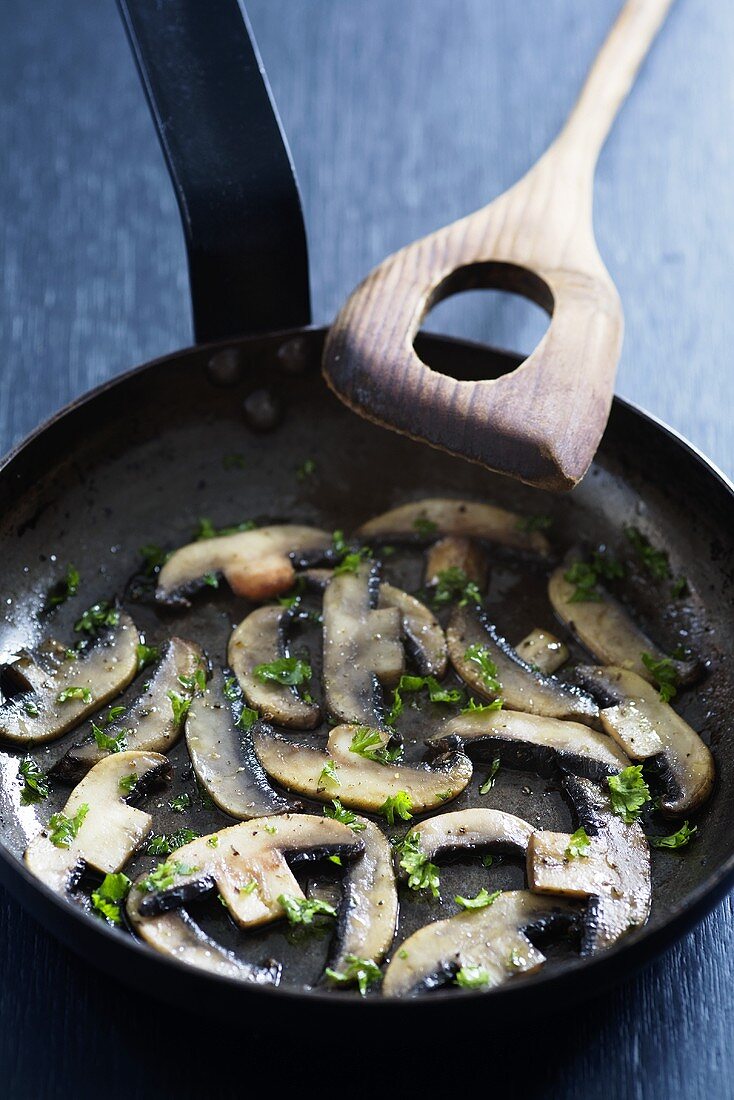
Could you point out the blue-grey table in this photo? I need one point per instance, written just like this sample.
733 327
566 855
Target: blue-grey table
401 117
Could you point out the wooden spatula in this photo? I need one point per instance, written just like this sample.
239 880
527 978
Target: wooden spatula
543 422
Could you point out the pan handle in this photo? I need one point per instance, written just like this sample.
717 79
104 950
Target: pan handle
229 164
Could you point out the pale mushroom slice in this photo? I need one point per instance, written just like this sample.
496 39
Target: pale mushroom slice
542 651
470 635
248 866
607 630
491 942
175 934
362 647
55 689
471 830
614 873
154 721
429 519
358 782
98 827
647 728
256 564
528 741
368 912
422 634
223 756
260 639
456 553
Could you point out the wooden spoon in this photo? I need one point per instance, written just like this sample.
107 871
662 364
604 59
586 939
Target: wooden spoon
541 423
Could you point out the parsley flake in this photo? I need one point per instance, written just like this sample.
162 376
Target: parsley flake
338 813
397 805
472 977
628 792
328 775
365 972
454 584
284 670
473 707
675 840
110 742
436 694
65 588
180 803
481 901
489 782
35 782
480 656
578 844
422 874
106 899
305 910
63 829
655 561
70 693
424 527
96 617
179 706
665 675
370 744
147 655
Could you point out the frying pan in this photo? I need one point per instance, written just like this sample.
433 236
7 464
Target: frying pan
139 459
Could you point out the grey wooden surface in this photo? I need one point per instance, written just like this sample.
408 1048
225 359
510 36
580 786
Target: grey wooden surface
401 116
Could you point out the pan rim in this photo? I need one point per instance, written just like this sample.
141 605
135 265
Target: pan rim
641 946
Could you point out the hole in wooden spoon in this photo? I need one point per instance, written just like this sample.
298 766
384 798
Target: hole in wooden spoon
499 305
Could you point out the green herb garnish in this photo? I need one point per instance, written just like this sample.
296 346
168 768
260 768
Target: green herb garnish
35 782
96 617
365 972
65 588
473 707
180 803
306 469
628 792
70 693
472 977
675 840
424 527
422 874
179 706
328 775
655 561
578 844
480 656
338 813
665 675
153 558
489 782
110 742
165 843
453 584
64 829
147 655
284 670
436 694
534 523
107 897
127 783
481 901
305 910
369 744
397 805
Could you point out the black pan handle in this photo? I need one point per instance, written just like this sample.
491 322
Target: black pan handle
229 164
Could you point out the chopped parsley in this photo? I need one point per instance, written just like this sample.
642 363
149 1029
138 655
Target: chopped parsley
655 561
35 782
516 960
213 841
272 829
206 530
306 469
338 813
422 874
351 562
365 972
339 544
96 617
328 775
489 782
249 888
211 579
534 523
70 693
369 744
111 891
675 840
180 803
481 901
424 527
585 576
154 557
665 675
305 910
436 693
179 706
110 742
578 844
30 708
64 829
284 670
480 656
628 792
473 707
147 655
679 587
164 876
247 719
453 584
397 805
231 689
65 588
165 843
472 977
127 783
196 683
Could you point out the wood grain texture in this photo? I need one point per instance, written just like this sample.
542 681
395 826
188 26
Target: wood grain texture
542 422
401 118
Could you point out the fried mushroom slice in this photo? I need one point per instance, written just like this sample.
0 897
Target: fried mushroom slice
614 874
53 690
177 935
98 826
475 646
152 723
356 780
531 742
368 913
248 866
362 647
427 519
469 830
422 634
542 651
256 564
491 942
607 630
647 728
223 757
455 553
259 640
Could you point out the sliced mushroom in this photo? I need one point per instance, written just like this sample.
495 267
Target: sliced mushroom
360 783
607 630
109 830
248 865
257 564
636 717
368 913
530 742
435 517
542 651
362 647
492 939
177 935
422 634
41 708
151 723
468 830
454 552
521 686
224 759
260 639
614 873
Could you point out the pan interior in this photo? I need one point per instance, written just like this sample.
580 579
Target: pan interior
143 460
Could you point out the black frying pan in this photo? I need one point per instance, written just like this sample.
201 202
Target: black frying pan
140 458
